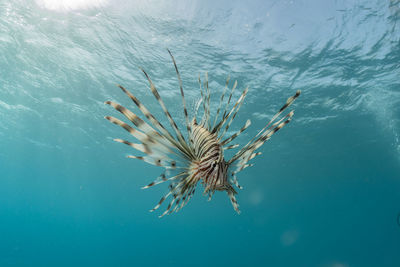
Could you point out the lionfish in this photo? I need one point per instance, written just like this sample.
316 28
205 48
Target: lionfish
198 157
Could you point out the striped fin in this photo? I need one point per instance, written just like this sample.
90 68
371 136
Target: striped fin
235 181
208 98
267 131
168 207
246 151
146 112
264 137
217 128
161 162
205 95
270 131
182 94
152 134
289 101
235 107
231 146
203 119
186 198
174 204
196 110
153 120
169 117
140 147
229 99
174 192
135 133
138 122
220 101
180 191
161 201
148 146
228 140
244 166
234 201
274 128
145 149
183 195
163 179
255 155
239 105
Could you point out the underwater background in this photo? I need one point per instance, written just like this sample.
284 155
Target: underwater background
325 191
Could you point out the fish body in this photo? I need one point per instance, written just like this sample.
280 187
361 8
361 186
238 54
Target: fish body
211 166
198 155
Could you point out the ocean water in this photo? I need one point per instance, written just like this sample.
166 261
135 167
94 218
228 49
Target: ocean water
325 191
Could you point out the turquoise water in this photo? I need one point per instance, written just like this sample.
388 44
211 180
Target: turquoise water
325 192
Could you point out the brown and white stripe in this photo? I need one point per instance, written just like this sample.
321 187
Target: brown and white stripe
200 156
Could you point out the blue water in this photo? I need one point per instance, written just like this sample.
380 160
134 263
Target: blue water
325 192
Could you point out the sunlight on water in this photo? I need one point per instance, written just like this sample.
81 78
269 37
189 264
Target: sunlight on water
65 5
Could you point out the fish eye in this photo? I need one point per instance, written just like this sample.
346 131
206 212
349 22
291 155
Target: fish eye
214 164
